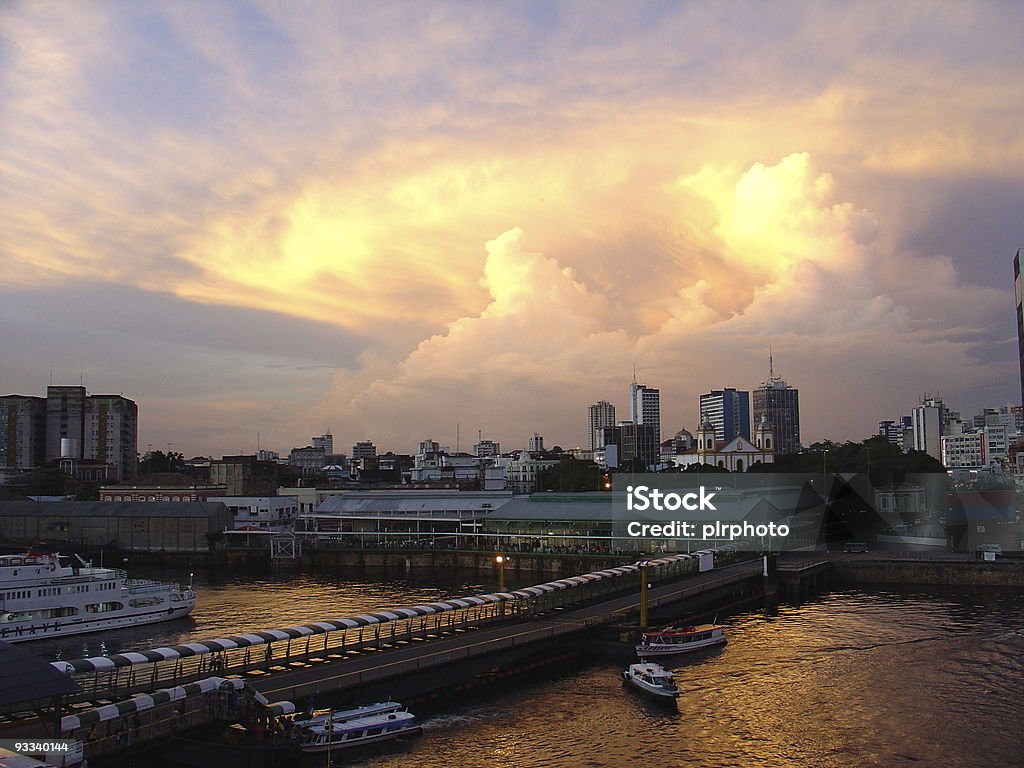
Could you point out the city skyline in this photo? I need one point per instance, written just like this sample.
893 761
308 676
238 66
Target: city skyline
392 221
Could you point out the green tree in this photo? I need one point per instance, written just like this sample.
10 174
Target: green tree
570 476
46 481
709 468
158 461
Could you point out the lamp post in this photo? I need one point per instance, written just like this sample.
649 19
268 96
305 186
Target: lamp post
644 586
824 472
499 562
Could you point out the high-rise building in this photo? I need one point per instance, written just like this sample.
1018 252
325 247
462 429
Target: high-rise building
1020 317
536 443
325 442
964 451
779 404
927 420
22 432
728 411
638 441
112 433
887 428
73 425
427 447
364 449
645 407
487 449
65 420
600 415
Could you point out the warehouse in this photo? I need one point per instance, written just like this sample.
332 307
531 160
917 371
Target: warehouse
151 526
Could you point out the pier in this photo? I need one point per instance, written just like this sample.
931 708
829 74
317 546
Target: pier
411 653
418 653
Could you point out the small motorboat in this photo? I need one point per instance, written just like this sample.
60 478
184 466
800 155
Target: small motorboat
652 679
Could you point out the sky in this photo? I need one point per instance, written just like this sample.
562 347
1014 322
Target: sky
409 220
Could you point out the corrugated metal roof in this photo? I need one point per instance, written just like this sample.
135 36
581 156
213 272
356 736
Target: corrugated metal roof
543 506
411 504
25 678
112 508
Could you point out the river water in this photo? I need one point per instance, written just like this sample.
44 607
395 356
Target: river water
887 677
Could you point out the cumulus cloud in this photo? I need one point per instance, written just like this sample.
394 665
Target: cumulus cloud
547 344
521 204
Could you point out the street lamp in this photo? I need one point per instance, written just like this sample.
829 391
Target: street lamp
499 562
824 470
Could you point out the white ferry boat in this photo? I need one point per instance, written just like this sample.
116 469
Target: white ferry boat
652 679
344 715
40 597
673 640
359 732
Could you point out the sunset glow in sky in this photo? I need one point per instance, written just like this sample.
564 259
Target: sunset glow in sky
388 219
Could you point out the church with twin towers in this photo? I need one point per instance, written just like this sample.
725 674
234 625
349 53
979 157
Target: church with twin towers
734 430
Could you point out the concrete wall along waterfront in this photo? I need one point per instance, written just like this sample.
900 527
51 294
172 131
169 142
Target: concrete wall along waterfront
1003 572
167 526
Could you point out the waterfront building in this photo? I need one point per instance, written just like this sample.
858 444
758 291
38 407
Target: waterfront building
167 526
778 404
599 415
645 407
308 498
263 513
555 521
420 514
728 411
162 487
